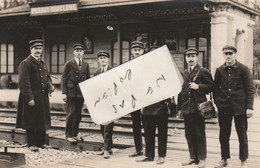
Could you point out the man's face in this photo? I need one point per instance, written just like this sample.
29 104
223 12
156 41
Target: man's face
230 56
103 61
78 52
136 52
37 51
191 59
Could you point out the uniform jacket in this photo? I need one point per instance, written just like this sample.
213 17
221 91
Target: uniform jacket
159 108
233 86
186 99
72 76
34 84
99 71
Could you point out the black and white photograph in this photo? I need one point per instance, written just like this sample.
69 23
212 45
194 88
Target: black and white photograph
129 83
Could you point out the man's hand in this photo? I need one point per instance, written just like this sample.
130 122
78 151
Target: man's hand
249 113
194 86
64 98
31 103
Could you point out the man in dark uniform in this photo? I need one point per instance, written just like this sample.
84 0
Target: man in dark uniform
75 71
33 105
106 130
234 97
197 83
137 49
155 115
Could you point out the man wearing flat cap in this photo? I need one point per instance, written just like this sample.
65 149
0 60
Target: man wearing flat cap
106 130
197 83
155 115
234 98
35 84
137 49
75 71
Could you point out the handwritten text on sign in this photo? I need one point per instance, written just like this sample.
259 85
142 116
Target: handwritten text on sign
131 86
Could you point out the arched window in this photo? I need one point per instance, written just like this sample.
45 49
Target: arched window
58 58
201 43
7 58
125 56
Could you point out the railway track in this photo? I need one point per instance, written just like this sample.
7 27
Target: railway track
89 130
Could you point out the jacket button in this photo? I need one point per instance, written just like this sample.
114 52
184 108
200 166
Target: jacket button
229 74
229 89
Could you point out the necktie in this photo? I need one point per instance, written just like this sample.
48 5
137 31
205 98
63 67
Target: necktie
102 70
79 63
190 70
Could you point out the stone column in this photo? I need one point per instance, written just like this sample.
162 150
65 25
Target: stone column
219 38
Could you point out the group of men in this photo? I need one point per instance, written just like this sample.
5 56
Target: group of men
232 89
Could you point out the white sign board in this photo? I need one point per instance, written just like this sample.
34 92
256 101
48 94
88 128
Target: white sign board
55 9
131 86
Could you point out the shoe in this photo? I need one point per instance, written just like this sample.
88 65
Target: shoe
45 146
71 139
145 159
190 162
100 152
222 163
136 154
34 148
110 152
160 160
243 164
79 138
202 164
106 154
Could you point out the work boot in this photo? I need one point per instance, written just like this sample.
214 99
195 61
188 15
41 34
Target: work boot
243 164
190 162
106 154
160 160
140 153
222 163
202 164
145 159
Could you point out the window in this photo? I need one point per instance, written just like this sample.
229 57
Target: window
7 58
58 58
201 43
125 53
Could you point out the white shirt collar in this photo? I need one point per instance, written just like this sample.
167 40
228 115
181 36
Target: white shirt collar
77 60
192 67
105 68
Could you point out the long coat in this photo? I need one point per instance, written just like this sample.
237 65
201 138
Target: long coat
72 76
233 87
189 98
34 84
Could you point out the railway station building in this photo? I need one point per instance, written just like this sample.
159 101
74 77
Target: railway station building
111 25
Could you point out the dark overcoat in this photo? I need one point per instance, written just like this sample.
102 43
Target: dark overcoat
233 87
72 76
34 84
188 99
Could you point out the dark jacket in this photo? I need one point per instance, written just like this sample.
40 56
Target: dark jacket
34 84
72 76
233 87
189 98
99 71
159 108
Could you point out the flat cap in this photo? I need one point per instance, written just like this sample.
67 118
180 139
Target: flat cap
78 46
229 48
103 53
137 44
34 43
191 51
153 48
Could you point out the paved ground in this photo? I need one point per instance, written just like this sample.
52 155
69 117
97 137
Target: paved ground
177 147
